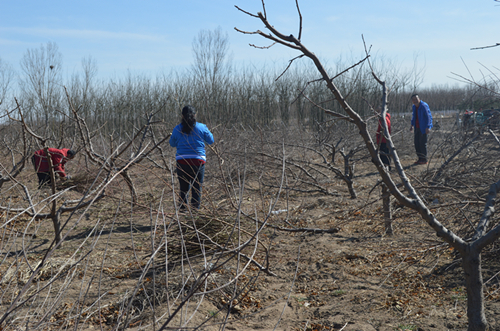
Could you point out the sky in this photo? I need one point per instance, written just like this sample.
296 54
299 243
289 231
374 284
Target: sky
147 37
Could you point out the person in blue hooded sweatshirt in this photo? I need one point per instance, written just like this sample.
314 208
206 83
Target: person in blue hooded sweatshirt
189 138
421 120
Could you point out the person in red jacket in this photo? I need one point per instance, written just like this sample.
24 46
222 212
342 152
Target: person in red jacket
59 158
381 141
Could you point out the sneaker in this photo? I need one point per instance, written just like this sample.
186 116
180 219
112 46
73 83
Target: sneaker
422 162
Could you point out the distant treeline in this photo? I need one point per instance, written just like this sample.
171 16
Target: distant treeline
222 93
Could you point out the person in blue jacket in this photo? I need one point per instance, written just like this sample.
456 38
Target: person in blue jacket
421 120
189 138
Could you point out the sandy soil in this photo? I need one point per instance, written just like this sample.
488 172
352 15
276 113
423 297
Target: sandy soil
355 278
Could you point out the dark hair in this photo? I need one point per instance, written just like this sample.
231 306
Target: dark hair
71 153
188 119
414 95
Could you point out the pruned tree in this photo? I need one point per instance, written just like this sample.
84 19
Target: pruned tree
56 210
312 170
470 250
19 153
138 147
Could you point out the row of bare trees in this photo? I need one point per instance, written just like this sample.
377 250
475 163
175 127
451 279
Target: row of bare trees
214 85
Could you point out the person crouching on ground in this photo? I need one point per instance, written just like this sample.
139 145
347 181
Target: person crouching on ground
189 138
382 141
59 158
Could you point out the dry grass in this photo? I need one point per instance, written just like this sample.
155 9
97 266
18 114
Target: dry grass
133 266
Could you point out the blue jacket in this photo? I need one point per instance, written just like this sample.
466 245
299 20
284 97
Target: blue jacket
191 146
424 117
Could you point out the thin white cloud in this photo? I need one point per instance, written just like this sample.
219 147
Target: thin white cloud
332 18
10 42
457 13
83 34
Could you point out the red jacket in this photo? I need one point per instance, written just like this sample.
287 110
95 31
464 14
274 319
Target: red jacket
380 134
58 156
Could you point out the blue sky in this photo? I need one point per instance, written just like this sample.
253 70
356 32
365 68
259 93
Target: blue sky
150 36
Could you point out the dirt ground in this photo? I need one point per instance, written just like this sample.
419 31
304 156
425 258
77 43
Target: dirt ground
360 279
353 277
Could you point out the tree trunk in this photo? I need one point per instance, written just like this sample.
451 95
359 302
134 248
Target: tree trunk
350 186
53 213
475 297
349 175
57 228
130 184
386 197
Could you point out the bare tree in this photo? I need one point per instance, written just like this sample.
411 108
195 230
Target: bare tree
83 89
19 153
42 83
470 251
137 153
6 77
211 70
210 50
55 212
